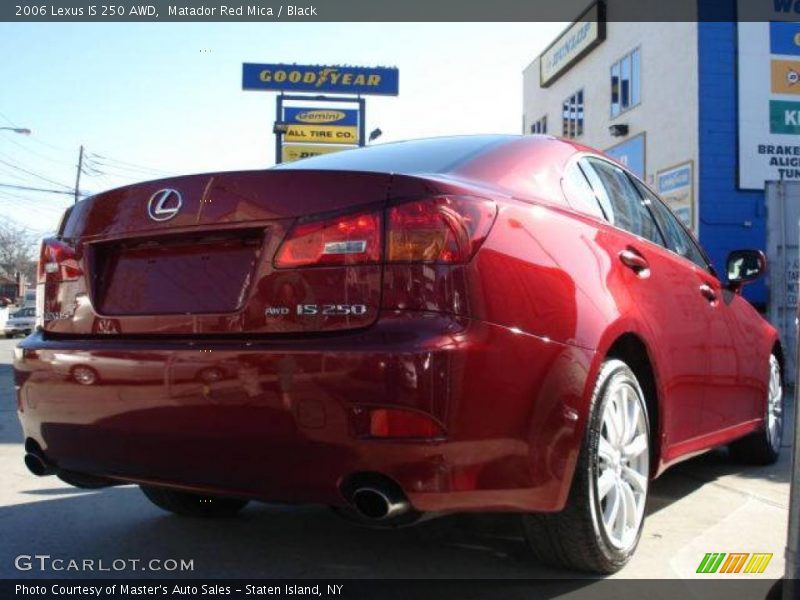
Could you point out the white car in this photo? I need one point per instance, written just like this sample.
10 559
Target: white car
21 322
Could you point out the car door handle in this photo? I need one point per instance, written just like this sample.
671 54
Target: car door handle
638 263
708 293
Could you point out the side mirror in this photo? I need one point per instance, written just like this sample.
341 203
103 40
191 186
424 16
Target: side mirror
744 266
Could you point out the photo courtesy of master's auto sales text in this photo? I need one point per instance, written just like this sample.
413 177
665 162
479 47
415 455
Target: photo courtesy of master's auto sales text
435 300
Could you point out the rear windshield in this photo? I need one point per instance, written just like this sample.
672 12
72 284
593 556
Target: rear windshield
434 155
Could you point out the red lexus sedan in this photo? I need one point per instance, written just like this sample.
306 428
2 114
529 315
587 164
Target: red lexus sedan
480 323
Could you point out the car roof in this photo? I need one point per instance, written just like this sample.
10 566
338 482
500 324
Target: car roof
435 155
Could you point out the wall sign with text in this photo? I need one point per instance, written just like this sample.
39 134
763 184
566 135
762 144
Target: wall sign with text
769 101
576 42
321 79
676 187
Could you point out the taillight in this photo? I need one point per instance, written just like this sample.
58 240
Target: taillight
444 229
400 423
57 262
441 229
345 240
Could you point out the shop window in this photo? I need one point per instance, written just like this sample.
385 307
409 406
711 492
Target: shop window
540 126
572 116
625 83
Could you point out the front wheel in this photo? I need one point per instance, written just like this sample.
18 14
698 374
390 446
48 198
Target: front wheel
764 447
600 526
189 504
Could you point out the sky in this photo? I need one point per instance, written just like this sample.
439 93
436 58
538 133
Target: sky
152 99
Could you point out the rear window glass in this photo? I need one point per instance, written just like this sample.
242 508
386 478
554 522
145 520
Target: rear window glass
435 155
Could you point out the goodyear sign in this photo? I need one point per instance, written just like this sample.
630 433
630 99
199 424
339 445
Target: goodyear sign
291 152
572 45
329 79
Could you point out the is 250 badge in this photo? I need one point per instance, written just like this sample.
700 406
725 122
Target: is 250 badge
310 310
336 310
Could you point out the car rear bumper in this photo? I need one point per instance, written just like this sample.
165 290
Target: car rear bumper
279 418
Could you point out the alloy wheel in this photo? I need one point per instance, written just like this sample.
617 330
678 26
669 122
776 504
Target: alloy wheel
623 463
84 375
774 405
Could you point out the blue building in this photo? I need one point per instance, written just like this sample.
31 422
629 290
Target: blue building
706 112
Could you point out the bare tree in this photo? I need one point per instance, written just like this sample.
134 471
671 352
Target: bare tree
18 249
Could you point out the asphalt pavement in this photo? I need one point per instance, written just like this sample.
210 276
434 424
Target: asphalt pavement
707 504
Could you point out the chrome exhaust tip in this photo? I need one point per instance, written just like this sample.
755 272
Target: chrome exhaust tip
376 504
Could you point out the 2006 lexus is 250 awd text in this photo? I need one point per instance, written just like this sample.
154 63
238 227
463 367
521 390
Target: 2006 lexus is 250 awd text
479 323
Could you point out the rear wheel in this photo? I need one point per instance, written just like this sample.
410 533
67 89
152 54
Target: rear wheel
599 528
764 447
190 504
84 375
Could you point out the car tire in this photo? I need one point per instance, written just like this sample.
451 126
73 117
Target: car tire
189 504
84 375
585 535
764 447
9 335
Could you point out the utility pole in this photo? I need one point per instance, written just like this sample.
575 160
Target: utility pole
78 176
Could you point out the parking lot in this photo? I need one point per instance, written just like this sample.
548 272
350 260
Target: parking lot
705 505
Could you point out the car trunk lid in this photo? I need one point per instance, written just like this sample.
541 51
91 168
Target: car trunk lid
194 255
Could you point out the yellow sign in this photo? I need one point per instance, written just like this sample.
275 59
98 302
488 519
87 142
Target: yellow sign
290 152
785 76
322 134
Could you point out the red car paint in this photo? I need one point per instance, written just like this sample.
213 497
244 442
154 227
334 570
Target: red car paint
498 355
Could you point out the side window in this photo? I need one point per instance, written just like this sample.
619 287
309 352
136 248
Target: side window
630 212
678 240
580 194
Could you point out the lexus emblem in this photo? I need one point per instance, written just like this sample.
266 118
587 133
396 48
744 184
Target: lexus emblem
164 204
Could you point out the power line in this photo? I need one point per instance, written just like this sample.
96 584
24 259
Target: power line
123 164
14 174
17 195
31 173
35 189
7 120
33 152
46 211
34 139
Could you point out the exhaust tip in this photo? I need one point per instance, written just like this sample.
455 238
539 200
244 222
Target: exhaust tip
37 465
376 504
371 503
